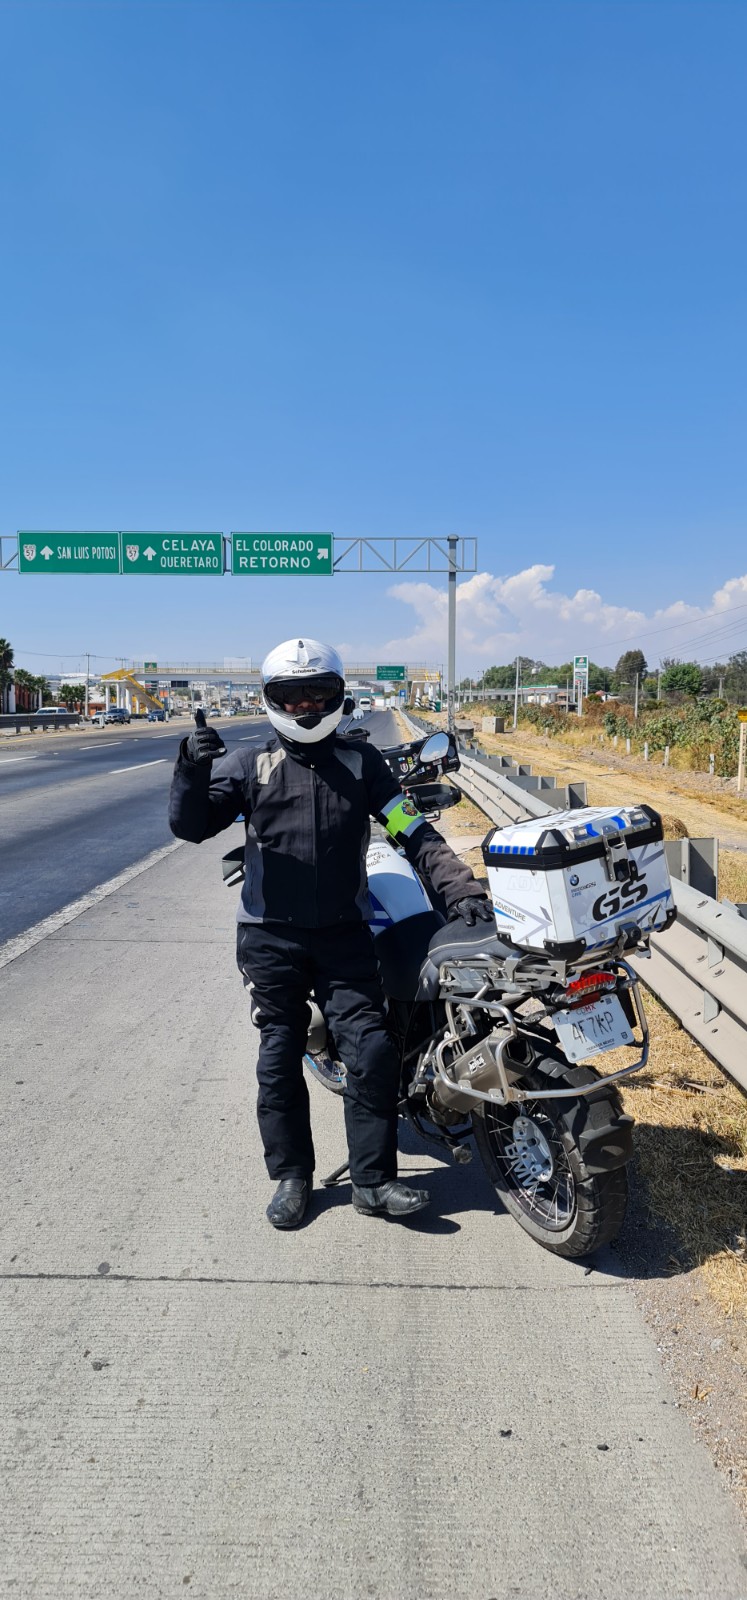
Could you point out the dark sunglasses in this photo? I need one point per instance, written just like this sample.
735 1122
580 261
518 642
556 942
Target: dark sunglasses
291 692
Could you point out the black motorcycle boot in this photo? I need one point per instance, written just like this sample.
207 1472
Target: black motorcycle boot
287 1207
389 1199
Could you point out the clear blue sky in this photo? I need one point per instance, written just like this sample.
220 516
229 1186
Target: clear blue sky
378 268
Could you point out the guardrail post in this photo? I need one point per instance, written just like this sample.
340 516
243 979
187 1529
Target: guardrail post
694 861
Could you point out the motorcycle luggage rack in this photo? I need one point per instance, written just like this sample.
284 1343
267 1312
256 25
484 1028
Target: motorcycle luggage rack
508 1091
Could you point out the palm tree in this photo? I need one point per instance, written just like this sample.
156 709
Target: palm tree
6 670
71 696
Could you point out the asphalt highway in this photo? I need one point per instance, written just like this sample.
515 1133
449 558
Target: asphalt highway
76 809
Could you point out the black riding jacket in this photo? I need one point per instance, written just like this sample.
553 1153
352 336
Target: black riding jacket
307 810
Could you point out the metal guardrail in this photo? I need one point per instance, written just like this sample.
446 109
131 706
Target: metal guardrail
698 969
35 719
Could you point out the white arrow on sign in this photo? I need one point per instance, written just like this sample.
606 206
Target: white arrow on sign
149 552
46 552
322 555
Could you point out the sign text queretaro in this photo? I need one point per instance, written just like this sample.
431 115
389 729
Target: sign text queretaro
68 552
168 553
282 554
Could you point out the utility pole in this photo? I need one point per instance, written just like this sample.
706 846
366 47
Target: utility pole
742 751
88 667
451 669
658 684
516 693
637 678
720 687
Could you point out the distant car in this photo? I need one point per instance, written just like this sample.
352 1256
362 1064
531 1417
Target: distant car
52 711
215 711
365 703
156 716
116 714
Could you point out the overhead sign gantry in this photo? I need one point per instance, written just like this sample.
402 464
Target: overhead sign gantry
252 555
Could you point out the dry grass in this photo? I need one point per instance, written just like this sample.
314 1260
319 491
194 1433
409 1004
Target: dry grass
732 875
691 1145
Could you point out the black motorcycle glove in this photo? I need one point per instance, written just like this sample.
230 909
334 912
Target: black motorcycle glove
471 909
205 744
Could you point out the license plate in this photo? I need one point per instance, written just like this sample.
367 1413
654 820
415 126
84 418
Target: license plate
588 1030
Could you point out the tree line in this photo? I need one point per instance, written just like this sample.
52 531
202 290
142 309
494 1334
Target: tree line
725 680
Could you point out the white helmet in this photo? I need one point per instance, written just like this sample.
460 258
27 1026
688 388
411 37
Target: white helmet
298 670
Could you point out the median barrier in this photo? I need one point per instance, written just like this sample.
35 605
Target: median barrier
34 720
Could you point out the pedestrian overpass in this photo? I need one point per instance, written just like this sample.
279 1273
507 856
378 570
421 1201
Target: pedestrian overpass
127 687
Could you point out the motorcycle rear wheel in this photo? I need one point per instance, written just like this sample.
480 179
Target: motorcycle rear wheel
570 1210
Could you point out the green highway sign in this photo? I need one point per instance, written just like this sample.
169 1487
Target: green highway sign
150 666
390 674
68 552
282 554
168 553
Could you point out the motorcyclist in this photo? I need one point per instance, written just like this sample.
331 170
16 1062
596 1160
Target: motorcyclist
307 797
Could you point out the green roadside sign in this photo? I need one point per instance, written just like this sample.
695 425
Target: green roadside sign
390 674
256 555
161 554
68 552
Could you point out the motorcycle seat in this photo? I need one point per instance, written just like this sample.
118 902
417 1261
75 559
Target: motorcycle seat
455 941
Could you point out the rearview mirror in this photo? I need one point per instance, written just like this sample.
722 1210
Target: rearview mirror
348 705
435 748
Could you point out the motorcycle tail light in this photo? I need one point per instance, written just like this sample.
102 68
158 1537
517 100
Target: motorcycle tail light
583 989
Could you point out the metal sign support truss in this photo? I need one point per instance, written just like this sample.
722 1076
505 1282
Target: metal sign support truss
450 555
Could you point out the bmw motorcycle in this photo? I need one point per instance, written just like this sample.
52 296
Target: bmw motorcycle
478 1022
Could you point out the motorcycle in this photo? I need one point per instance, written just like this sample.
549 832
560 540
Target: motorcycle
494 1038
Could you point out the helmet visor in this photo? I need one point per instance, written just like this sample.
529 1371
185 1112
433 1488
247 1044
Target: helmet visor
325 691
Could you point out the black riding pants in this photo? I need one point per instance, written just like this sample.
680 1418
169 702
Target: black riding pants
283 966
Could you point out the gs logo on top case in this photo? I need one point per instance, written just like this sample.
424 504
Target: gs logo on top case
621 898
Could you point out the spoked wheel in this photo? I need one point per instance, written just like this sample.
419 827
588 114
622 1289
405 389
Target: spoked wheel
532 1153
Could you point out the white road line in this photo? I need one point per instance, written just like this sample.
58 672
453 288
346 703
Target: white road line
26 941
138 765
12 761
92 748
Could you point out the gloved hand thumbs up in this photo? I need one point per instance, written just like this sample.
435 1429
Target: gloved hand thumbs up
205 744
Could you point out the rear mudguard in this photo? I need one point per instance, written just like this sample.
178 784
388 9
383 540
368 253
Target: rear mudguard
599 1127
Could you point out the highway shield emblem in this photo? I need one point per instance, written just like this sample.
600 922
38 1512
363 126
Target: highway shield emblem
132 551
29 552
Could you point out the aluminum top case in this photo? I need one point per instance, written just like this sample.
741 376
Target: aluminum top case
575 880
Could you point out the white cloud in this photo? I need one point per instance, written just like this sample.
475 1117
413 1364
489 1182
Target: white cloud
497 618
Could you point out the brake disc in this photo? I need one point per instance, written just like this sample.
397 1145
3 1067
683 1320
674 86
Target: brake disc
529 1153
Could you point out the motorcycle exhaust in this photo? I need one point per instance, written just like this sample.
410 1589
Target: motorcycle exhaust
476 1070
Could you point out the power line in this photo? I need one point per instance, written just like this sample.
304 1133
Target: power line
689 622
68 655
